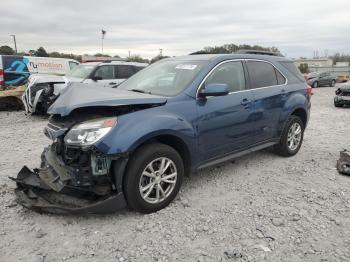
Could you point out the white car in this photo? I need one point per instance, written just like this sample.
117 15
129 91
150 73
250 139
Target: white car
42 90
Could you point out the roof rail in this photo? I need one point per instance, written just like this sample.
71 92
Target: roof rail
258 52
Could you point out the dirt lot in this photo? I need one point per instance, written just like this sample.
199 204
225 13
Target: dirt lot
258 207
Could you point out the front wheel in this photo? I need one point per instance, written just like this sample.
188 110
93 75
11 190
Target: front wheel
292 137
333 83
153 177
315 84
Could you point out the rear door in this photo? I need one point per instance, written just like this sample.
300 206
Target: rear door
323 80
107 73
225 123
270 94
123 72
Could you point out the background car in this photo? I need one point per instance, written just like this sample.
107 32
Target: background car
42 91
342 95
316 79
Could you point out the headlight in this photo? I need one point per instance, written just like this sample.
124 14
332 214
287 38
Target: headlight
89 132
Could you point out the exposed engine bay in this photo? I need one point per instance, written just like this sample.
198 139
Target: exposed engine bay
73 179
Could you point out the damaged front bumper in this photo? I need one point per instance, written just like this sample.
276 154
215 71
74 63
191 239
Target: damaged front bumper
61 189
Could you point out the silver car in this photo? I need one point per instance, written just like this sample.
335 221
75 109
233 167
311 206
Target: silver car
42 90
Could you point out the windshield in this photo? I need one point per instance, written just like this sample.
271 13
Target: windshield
81 71
165 78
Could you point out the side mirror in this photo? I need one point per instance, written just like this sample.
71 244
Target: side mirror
96 78
214 90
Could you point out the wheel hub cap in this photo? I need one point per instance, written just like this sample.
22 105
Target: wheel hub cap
294 136
158 180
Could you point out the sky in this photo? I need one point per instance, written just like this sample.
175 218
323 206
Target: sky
179 27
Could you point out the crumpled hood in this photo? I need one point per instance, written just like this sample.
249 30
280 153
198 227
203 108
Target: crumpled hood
79 95
46 78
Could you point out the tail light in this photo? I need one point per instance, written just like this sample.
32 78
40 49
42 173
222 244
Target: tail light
1 77
308 91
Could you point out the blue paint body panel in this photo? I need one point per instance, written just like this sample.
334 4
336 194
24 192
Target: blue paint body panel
210 128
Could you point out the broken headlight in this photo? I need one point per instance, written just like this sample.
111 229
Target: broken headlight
89 132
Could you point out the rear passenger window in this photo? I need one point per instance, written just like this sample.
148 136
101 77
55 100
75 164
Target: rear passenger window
230 73
262 74
124 71
105 72
280 78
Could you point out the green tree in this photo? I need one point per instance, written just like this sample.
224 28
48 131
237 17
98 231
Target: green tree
232 48
41 52
137 58
6 50
304 68
157 58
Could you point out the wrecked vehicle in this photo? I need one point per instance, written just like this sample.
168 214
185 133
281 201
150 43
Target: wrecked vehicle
343 164
342 96
131 146
15 71
42 91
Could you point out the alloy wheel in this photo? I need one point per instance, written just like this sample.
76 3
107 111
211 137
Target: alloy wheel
158 180
294 136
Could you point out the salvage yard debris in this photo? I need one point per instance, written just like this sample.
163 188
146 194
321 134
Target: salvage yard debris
343 164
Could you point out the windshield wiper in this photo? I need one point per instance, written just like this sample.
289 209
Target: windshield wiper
140 91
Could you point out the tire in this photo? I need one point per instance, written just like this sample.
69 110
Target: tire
333 83
283 148
147 157
315 84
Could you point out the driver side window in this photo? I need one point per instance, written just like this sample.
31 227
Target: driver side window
105 72
230 73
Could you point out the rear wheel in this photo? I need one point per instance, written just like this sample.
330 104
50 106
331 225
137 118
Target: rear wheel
153 177
292 137
315 84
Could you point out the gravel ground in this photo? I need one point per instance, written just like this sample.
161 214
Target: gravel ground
258 207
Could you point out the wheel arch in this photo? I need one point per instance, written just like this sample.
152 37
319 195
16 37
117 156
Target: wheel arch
300 112
173 141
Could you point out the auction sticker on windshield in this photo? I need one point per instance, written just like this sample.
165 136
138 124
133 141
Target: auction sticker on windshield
186 67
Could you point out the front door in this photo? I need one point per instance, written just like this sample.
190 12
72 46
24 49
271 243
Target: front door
225 122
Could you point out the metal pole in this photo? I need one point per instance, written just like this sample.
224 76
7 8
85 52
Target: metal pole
14 40
102 44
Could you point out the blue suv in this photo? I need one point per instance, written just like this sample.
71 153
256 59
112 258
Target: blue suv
133 145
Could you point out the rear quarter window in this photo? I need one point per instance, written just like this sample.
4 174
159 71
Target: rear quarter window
290 66
262 74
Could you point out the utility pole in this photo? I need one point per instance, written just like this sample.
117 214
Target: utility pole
161 52
103 37
129 53
14 40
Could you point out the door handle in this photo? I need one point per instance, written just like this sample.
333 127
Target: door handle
112 83
246 102
283 93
